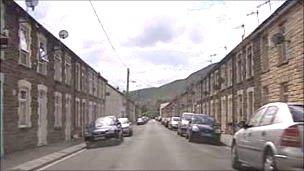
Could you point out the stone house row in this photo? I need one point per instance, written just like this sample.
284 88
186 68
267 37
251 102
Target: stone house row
48 93
116 104
267 66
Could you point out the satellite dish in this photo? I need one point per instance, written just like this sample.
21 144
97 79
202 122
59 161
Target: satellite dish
63 34
278 38
31 3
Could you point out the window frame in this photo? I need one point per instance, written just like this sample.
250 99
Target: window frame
249 69
58 61
27 52
58 116
42 66
68 70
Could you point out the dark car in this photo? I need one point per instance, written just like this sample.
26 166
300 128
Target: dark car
203 128
102 129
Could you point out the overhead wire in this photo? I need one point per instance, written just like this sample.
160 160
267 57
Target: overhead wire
107 36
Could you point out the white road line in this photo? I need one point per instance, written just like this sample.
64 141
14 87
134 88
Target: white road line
58 161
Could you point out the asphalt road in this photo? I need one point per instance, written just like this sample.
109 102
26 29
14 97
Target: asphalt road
152 147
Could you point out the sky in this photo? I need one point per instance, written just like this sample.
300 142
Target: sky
160 41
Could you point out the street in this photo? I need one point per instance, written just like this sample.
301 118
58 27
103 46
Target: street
152 147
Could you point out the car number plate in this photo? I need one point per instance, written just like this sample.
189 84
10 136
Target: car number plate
100 138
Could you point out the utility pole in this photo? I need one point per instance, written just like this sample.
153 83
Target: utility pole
127 93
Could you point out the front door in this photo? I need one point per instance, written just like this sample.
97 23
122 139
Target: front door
68 118
42 115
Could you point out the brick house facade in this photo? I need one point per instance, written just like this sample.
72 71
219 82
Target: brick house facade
256 71
49 93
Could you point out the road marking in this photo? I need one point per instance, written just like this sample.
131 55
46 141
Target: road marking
58 161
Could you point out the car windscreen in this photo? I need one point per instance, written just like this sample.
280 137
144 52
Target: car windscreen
203 120
104 122
187 117
123 120
176 119
297 112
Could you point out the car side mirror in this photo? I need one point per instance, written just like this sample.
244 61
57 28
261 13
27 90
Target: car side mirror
243 124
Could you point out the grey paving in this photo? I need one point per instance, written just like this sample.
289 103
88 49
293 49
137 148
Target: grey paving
47 159
152 147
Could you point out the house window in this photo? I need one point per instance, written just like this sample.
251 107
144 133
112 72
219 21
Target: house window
24 107
77 76
283 47
67 70
42 57
90 79
83 79
284 92
229 72
58 110
239 71
223 78
250 103
265 93
58 66
24 44
249 62
265 49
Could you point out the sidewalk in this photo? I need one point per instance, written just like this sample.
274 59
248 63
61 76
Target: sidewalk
227 139
33 158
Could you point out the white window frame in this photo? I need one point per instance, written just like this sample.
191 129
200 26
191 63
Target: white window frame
77 76
249 113
68 71
24 85
58 65
239 68
42 62
58 110
249 69
27 52
265 52
83 79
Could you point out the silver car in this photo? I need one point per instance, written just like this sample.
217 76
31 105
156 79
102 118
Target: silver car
272 140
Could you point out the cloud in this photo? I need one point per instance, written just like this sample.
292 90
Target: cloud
156 30
164 57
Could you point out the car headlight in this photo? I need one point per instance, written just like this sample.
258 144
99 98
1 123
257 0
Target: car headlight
195 128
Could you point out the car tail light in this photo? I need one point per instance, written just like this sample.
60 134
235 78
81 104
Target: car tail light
291 137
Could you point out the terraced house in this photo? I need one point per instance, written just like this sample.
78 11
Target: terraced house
49 93
267 66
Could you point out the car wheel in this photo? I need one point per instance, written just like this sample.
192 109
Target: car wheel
269 161
236 164
186 136
131 133
190 138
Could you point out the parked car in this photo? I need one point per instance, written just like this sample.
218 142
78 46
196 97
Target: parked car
126 126
202 127
102 129
166 123
173 123
272 140
183 124
140 121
